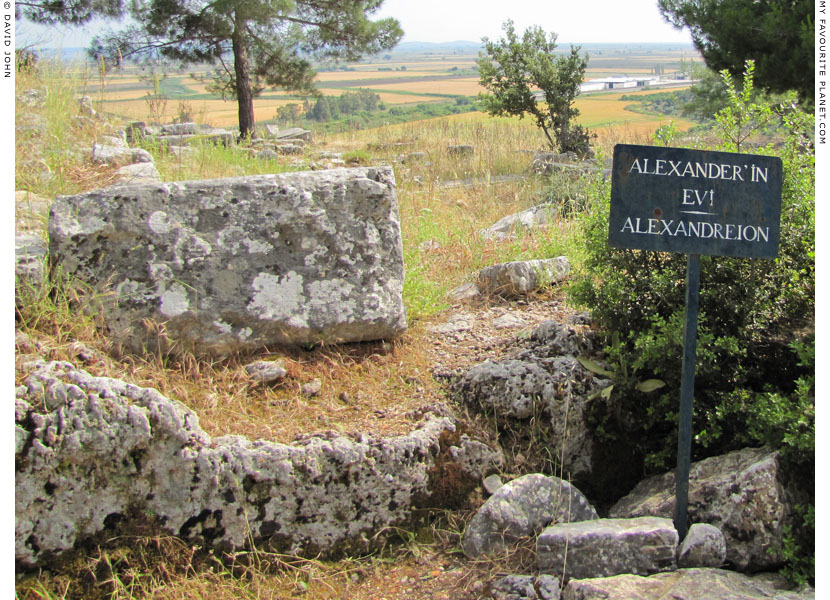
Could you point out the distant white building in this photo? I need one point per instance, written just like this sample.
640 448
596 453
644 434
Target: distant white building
625 83
622 83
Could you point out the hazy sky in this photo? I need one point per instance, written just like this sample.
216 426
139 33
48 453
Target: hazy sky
452 20
572 20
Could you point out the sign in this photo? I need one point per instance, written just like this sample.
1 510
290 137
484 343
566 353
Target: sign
695 201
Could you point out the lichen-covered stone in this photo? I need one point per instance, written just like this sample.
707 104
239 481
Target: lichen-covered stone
542 382
532 218
741 493
522 277
703 546
522 508
525 587
29 260
605 547
224 266
691 584
94 454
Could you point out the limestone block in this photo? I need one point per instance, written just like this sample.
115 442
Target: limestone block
97 457
522 277
606 547
533 218
697 584
119 155
224 266
180 129
522 508
741 493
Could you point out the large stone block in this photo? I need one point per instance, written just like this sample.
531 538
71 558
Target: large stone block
96 456
522 508
229 265
519 278
741 493
606 547
693 584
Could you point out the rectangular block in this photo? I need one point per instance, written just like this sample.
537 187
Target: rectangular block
230 265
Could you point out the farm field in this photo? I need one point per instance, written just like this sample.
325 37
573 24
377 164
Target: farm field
399 78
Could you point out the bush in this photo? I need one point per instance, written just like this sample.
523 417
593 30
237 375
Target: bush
754 369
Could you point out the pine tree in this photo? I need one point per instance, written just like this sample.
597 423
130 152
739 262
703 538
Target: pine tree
270 42
778 35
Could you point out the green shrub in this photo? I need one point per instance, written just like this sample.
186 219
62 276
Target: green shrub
754 365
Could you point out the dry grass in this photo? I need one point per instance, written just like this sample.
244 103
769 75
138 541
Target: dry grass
370 387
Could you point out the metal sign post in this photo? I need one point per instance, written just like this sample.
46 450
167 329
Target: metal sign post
687 391
695 202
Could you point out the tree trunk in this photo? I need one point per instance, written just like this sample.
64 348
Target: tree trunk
244 97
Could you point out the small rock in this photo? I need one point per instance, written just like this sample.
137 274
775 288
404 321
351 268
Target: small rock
532 218
508 321
704 546
30 256
84 353
114 141
513 587
266 371
428 246
492 484
24 343
312 388
267 154
463 292
547 587
119 156
455 324
461 150
186 128
143 172
580 318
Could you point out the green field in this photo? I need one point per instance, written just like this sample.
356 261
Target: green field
410 77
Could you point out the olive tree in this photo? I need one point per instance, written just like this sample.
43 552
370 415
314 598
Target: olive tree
525 77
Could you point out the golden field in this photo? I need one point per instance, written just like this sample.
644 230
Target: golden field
427 77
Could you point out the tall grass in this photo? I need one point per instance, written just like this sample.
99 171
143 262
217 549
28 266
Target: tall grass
53 137
365 387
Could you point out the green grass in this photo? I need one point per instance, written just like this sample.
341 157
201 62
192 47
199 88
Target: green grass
442 249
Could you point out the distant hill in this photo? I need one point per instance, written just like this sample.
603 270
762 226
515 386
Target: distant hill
468 47
440 47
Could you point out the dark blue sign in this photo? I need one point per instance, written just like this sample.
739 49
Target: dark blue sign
695 201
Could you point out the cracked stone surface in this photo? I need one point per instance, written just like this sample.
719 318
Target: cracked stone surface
95 455
233 265
605 547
